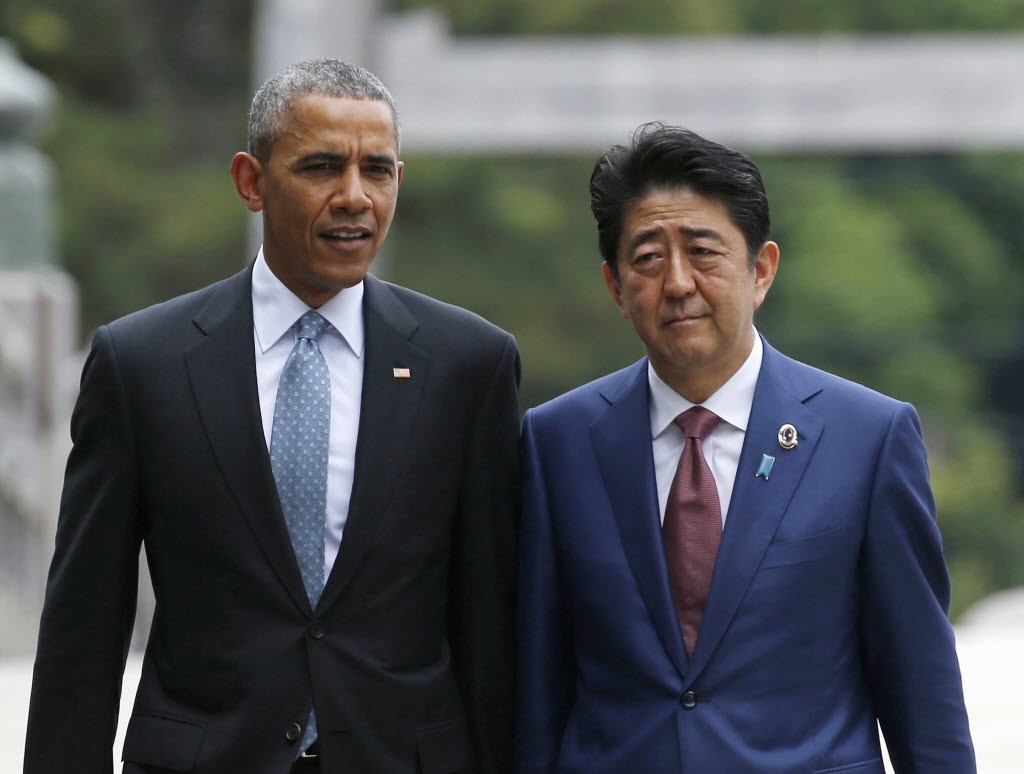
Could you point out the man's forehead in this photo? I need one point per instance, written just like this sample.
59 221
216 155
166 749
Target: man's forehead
327 124
329 109
339 100
674 202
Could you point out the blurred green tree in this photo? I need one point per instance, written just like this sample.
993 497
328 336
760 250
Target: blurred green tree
153 98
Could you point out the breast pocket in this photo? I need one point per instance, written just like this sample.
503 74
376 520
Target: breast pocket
809 549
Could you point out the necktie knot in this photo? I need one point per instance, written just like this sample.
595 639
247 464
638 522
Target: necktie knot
697 422
311 325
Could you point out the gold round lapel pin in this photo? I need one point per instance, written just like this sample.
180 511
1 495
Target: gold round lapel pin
787 436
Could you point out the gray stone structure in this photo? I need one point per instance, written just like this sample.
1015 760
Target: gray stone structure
523 95
38 333
26 175
911 93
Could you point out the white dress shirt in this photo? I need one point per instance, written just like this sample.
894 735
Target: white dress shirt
275 315
732 402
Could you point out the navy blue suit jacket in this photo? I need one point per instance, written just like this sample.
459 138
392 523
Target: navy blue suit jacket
828 607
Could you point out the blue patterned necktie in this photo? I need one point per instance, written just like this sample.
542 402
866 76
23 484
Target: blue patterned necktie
298 457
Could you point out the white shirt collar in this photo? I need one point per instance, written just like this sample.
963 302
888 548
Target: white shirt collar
275 309
732 401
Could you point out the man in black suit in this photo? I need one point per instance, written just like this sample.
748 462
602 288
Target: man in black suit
393 653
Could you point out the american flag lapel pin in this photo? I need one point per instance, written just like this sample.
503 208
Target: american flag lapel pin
402 373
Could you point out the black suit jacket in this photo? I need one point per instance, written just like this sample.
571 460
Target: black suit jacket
407 657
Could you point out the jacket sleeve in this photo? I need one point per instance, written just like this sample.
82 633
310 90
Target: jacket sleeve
546 680
89 608
482 572
910 651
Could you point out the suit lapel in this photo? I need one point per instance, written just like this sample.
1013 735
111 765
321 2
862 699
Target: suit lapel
222 370
757 504
622 443
387 413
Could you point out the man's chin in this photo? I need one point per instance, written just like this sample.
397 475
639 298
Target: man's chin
341 274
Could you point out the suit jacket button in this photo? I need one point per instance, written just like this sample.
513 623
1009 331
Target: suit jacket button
294 732
688 700
316 629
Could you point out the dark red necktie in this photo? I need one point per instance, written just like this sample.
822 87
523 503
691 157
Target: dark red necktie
692 528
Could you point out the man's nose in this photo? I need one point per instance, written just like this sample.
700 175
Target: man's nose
679 278
349 194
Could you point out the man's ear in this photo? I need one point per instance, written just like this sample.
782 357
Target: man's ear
613 287
765 267
247 172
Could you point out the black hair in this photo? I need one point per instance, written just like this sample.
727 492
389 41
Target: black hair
669 157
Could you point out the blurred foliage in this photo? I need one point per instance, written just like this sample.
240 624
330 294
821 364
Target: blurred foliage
144 225
512 239
153 97
897 271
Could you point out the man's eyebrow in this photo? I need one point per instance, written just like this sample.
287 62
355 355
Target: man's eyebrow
641 236
382 158
702 232
330 157
693 232
322 156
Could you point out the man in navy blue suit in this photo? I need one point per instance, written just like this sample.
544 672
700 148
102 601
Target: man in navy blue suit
729 560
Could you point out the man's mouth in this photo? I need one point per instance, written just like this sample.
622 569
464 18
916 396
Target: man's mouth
682 318
347 235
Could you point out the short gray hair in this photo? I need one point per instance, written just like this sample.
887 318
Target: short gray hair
319 77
